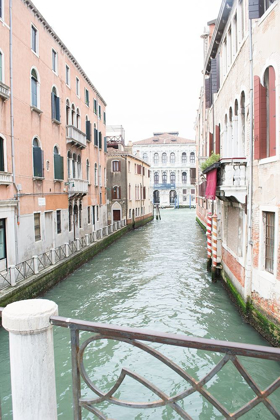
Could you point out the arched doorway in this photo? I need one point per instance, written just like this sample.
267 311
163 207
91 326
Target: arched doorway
156 198
172 196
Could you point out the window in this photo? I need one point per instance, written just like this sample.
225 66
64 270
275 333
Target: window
1 65
172 157
184 157
69 163
2 161
184 177
68 114
184 191
54 61
265 115
156 158
192 157
116 192
164 177
73 115
88 171
99 112
58 221
145 157
86 97
67 75
38 159
93 215
2 235
116 166
79 167
77 86
88 214
58 164
95 106
129 192
37 227
78 119
34 89
55 105
129 214
95 175
95 136
137 192
80 215
100 140
269 232
156 178
74 165
104 117
164 158
172 177
34 38
70 215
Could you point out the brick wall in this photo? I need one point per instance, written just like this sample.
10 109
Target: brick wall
234 266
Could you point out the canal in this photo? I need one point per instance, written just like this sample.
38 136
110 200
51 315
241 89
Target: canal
152 278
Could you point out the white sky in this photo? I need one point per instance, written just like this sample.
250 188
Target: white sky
144 57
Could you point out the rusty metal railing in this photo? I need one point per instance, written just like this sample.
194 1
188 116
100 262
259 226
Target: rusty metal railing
135 337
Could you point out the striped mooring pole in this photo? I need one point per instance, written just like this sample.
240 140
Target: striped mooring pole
209 240
214 248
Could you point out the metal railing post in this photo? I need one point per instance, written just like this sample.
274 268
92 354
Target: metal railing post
76 374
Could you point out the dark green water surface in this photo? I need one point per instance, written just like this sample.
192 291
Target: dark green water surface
153 278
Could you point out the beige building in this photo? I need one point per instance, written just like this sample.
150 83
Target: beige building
52 140
238 118
128 181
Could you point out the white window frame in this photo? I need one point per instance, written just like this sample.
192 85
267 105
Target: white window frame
67 72
266 274
78 88
55 62
37 39
38 88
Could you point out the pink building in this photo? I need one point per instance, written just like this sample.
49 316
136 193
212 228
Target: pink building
52 140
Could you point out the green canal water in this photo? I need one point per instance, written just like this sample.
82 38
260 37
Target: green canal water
152 278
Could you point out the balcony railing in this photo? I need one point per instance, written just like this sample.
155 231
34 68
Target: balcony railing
4 91
77 186
231 180
76 136
231 353
5 178
164 186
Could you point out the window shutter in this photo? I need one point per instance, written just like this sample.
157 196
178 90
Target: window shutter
100 140
58 167
218 139
256 9
193 175
2 155
33 91
88 130
215 82
53 106
37 162
208 92
105 144
120 195
259 119
211 146
95 137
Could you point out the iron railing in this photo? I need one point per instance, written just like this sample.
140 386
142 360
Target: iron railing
135 337
44 260
60 253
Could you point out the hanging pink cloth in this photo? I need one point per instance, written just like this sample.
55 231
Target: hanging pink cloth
211 184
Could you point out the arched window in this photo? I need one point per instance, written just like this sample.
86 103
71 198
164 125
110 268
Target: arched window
192 157
38 161
67 112
88 173
69 163
184 157
58 164
145 157
78 119
172 178
2 160
70 214
156 178
34 89
156 158
79 167
164 177
172 157
55 105
116 192
74 163
184 177
73 112
95 175
164 158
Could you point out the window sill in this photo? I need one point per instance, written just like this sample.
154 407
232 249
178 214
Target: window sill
270 159
38 178
35 53
35 109
56 121
58 180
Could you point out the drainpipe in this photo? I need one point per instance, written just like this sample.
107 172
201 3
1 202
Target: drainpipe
98 161
248 279
12 128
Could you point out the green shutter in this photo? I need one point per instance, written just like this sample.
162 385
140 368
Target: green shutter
1 155
38 162
58 167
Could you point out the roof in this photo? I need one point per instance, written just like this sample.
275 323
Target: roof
34 9
164 138
118 153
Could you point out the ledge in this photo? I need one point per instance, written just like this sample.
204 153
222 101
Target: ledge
56 121
210 168
35 109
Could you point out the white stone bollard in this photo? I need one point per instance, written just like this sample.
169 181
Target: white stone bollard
32 358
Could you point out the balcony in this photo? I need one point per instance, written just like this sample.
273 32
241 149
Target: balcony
231 182
77 186
4 91
76 136
164 186
6 178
